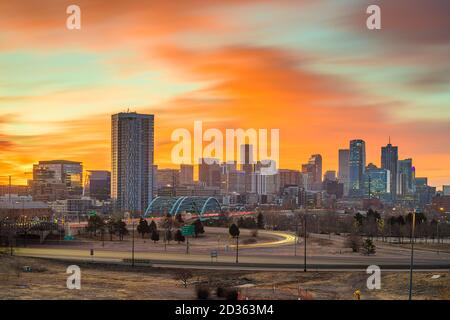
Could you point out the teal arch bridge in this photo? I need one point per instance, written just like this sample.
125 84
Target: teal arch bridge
204 207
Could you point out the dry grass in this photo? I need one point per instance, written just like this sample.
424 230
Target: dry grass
48 281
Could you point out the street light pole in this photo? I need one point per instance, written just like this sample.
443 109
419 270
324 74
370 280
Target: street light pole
132 244
296 237
412 255
237 249
304 236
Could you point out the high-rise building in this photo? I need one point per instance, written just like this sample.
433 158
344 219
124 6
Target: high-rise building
308 176
446 190
167 178
98 184
357 165
59 171
377 183
406 177
132 161
343 174
389 161
424 192
57 180
289 178
229 166
329 175
235 181
313 171
186 174
247 162
263 183
209 172
316 161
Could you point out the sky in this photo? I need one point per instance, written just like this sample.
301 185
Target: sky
310 68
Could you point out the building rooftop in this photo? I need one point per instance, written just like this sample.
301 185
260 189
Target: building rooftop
59 162
23 205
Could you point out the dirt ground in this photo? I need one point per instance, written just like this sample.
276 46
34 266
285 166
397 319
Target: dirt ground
47 280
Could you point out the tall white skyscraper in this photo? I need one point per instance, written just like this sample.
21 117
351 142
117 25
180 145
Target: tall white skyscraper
132 137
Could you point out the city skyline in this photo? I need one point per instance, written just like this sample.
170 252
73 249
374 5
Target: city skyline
196 175
311 70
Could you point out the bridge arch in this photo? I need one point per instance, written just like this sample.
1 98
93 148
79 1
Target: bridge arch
175 205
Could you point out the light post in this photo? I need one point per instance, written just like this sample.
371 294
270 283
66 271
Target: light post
296 236
437 231
318 223
237 249
412 254
304 236
132 243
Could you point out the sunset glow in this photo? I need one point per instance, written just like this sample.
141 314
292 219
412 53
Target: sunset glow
313 71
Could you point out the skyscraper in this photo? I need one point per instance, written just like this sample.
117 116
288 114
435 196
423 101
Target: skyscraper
330 175
313 170
57 180
389 161
357 164
316 161
186 174
343 174
247 164
424 193
167 178
406 177
377 182
132 137
98 184
209 172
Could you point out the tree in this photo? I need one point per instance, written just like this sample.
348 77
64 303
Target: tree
368 247
111 226
95 223
240 222
354 241
183 275
152 227
198 227
155 236
179 218
167 221
121 229
234 231
143 227
178 236
169 236
260 221
359 219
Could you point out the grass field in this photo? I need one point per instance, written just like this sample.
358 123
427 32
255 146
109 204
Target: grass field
48 281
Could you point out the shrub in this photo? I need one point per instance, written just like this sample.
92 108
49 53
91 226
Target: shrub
202 292
354 241
221 292
231 294
368 247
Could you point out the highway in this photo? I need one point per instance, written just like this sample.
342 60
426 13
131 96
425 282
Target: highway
275 253
424 261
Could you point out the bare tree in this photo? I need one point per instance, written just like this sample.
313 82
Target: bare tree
183 275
